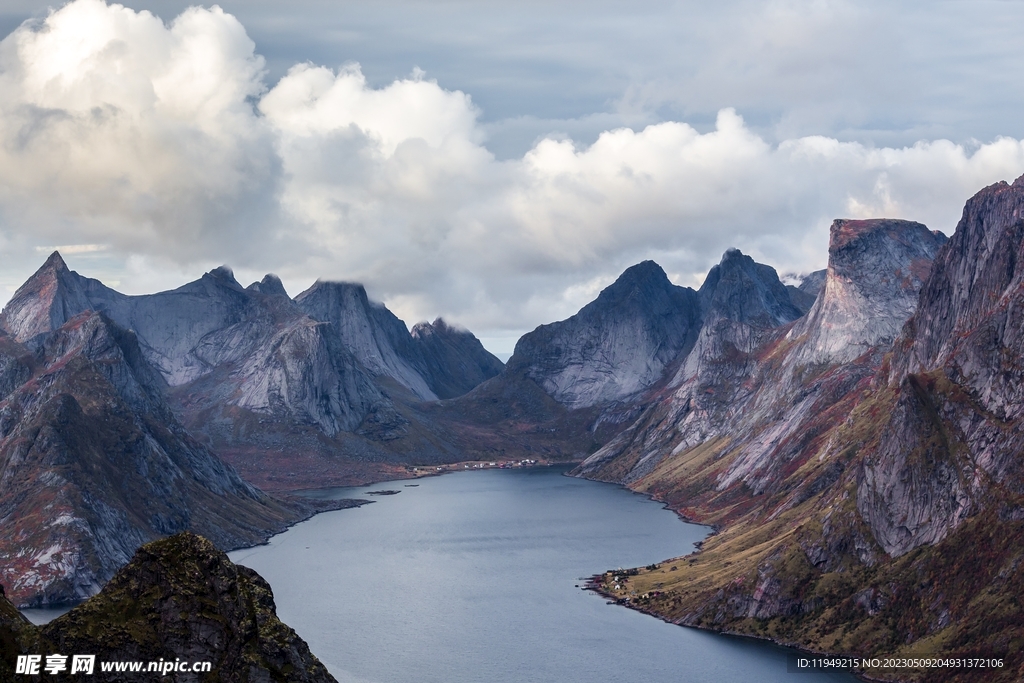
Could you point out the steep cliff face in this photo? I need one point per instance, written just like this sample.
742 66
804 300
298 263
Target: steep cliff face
617 345
876 269
178 599
452 359
45 302
93 464
744 306
188 331
760 381
743 302
763 387
371 332
954 433
879 508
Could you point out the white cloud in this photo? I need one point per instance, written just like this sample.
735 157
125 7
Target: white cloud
163 144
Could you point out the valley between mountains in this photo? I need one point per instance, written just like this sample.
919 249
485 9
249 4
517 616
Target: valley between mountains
855 438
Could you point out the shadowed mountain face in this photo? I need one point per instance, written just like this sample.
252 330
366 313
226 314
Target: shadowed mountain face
453 360
952 444
740 289
177 599
373 333
93 464
433 361
616 346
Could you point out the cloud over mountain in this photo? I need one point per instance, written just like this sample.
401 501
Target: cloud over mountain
164 146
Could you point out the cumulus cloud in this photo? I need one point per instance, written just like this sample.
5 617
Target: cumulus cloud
162 147
116 128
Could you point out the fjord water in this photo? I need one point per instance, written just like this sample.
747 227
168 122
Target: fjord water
473 576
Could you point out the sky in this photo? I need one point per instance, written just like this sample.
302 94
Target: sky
493 163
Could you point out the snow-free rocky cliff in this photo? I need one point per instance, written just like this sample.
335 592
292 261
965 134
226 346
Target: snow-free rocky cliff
863 463
240 358
93 464
760 373
109 405
617 345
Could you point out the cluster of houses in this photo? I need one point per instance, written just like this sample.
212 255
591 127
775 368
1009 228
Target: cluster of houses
508 464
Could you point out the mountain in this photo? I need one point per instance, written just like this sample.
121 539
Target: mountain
876 269
93 464
804 294
616 346
178 600
452 359
953 441
433 361
879 509
373 333
311 392
572 387
48 300
759 385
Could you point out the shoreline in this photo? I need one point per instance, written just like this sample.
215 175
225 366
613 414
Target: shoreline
595 584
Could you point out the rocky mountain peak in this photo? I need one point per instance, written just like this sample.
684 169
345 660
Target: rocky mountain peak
616 345
54 262
876 269
225 275
46 301
372 333
635 283
270 284
423 329
742 290
977 274
451 358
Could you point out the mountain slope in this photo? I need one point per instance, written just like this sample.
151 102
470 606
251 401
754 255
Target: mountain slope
452 359
889 522
617 345
93 464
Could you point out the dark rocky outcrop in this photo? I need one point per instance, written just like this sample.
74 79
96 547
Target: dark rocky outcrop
452 359
178 599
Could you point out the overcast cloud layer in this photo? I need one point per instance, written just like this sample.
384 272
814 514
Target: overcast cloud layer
150 151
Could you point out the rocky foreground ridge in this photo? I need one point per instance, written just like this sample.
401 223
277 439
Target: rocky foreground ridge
178 599
864 463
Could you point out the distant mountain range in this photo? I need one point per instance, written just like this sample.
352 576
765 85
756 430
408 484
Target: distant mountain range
855 436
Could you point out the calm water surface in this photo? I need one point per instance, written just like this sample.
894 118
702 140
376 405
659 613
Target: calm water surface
471 577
